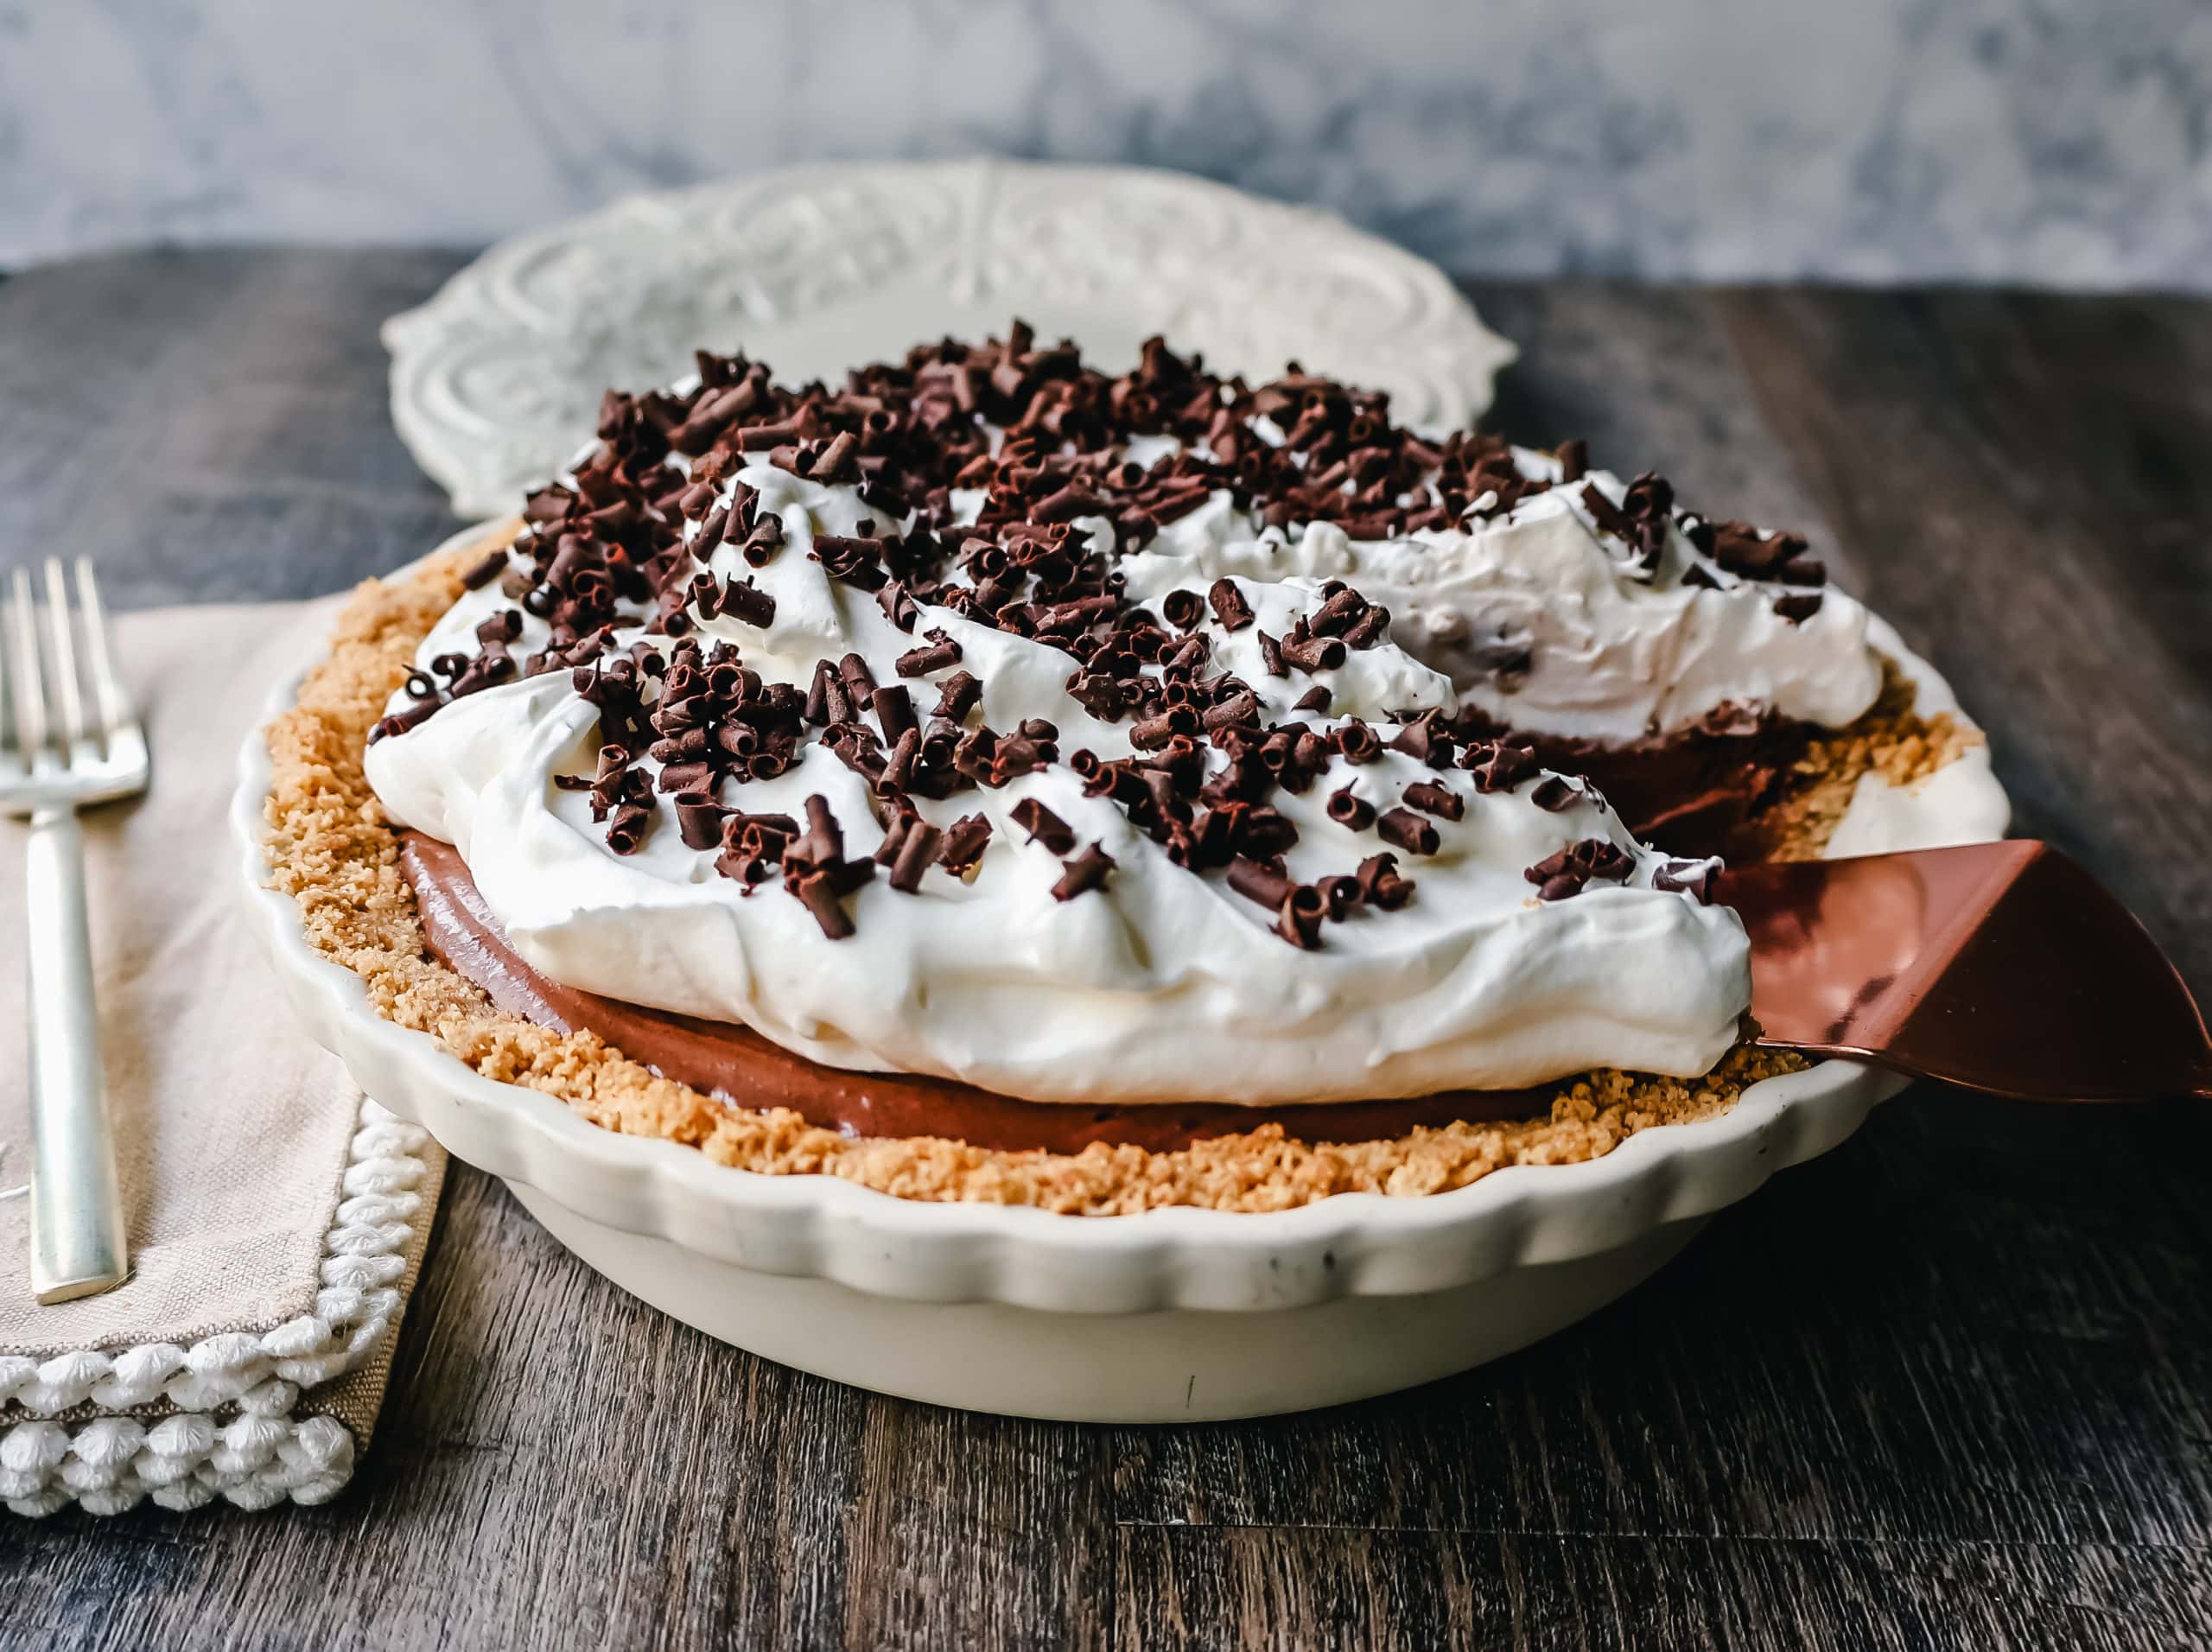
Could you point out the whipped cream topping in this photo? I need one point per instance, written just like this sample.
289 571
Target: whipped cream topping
1546 629
1162 986
1558 602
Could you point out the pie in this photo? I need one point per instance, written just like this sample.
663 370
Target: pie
994 779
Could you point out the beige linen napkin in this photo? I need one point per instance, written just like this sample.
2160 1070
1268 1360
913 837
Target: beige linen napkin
276 1217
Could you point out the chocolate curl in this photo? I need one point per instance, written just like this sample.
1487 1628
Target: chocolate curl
1340 894
1153 733
626 835
1315 653
1315 699
1369 629
894 711
1088 871
1243 707
1261 884
1229 604
400 722
1574 461
493 565
1043 826
894 835
747 602
1380 886
817 892
824 842
1271 656
859 681
964 841
1562 874
1182 609
762 542
687 777
1335 616
899 606
1350 810
1432 799
1498 767
1299 920
827 702
940 653
1407 831
1357 743
899 769
699 820
961 691
918 847
1554 794
1425 741
1692 878
835 462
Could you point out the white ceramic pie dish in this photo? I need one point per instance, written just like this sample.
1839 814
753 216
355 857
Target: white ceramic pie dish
1169 1315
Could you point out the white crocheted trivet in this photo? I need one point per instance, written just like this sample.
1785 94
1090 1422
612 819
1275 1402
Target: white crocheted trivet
265 1451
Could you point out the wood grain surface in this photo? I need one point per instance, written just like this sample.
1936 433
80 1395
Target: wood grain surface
1949 1386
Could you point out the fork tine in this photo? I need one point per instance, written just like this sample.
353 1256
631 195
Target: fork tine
22 649
100 654
68 697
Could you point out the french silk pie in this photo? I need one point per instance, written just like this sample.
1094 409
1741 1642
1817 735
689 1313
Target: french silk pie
991 779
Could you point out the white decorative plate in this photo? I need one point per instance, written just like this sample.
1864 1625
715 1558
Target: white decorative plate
496 380
1174 1314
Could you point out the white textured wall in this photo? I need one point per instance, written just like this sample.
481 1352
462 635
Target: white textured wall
2029 140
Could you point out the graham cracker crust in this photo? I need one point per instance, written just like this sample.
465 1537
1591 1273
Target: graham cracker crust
1890 739
331 849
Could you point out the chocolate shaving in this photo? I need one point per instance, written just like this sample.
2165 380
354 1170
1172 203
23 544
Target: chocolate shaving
493 565
1350 810
1565 873
918 847
1380 886
1229 604
1438 800
1260 883
940 651
699 820
1407 831
1043 826
748 603
960 693
1692 878
894 711
1086 872
1298 920
964 841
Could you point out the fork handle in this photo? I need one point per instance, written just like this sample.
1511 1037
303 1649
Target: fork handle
77 1242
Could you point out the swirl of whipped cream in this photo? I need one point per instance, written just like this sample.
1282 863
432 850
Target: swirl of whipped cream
1163 985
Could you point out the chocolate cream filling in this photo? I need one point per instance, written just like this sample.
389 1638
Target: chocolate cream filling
1688 792
737 1066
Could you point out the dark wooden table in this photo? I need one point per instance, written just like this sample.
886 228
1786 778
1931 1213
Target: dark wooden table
1949 1386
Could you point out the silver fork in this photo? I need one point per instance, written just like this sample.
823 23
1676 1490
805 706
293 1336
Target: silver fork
57 755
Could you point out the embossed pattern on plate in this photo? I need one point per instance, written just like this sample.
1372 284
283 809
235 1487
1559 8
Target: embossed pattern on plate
496 380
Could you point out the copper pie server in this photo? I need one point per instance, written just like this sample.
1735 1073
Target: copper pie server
1997 967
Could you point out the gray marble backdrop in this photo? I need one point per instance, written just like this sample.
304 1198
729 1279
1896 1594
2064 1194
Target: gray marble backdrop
2033 141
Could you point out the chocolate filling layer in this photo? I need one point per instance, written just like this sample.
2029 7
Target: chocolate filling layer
1689 791
739 1067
